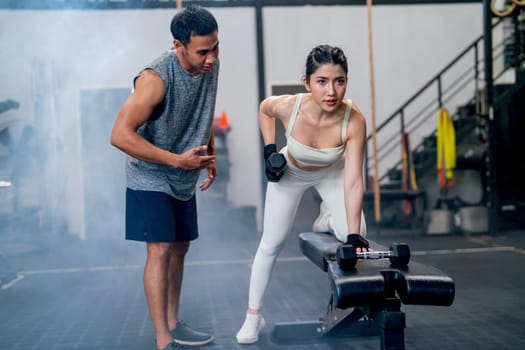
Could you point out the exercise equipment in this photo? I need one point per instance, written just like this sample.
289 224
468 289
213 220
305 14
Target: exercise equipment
508 7
274 163
347 255
446 149
366 301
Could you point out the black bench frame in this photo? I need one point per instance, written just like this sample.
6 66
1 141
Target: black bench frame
382 318
372 306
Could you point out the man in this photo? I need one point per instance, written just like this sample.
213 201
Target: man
165 128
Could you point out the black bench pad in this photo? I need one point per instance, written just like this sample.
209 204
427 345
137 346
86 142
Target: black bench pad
374 280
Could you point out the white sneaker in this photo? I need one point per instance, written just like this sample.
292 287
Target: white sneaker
249 332
321 224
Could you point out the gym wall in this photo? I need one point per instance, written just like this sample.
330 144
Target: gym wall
90 50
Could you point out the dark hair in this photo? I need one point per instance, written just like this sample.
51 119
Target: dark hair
324 54
192 20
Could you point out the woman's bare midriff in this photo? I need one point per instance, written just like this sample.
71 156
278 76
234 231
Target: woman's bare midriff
305 167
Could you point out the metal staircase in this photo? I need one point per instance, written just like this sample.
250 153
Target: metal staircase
459 87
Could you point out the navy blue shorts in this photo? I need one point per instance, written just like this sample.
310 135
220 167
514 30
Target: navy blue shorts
158 217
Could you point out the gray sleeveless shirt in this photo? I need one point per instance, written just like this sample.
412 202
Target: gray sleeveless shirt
183 121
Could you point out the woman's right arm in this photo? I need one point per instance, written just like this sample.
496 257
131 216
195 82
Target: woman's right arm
267 119
271 109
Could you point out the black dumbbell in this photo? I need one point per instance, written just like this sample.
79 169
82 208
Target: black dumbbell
346 255
274 166
276 162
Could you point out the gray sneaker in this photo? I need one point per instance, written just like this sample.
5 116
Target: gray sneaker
170 346
185 335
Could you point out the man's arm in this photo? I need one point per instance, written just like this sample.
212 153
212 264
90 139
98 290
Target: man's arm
212 168
211 143
149 92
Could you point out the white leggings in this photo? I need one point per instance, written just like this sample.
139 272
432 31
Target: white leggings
282 201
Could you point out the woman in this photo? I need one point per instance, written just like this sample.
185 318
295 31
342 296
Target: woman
326 136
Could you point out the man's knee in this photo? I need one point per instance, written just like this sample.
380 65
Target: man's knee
159 250
180 248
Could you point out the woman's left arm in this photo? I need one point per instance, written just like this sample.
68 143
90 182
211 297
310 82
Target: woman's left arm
353 172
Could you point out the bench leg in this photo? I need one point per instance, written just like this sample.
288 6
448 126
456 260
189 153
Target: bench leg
337 323
390 321
387 321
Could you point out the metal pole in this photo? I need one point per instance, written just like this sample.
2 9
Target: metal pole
260 49
476 69
261 78
377 197
440 93
402 120
492 196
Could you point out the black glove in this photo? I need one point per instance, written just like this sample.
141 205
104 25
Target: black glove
357 241
274 163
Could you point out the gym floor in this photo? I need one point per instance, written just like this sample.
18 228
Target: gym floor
88 295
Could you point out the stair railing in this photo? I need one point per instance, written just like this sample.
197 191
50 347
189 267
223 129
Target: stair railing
438 92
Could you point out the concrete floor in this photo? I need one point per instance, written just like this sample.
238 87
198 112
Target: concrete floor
73 294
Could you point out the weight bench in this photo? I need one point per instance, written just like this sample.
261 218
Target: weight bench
366 301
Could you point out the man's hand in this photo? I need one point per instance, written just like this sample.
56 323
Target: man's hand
212 174
193 160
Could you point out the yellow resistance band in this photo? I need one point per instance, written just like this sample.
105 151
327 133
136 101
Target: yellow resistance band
446 149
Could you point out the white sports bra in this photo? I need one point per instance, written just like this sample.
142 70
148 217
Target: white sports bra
310 156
